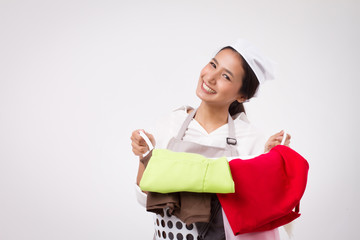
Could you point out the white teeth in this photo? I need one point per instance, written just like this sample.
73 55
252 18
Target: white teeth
209 90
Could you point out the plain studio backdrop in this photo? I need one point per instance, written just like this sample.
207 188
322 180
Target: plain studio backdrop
77 77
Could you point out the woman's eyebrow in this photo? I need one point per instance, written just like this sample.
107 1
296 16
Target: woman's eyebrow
226 70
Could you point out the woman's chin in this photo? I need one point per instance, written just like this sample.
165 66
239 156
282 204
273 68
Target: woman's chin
201 95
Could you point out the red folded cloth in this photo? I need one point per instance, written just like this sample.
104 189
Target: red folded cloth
268 189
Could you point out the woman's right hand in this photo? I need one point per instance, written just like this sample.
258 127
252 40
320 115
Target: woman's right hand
276 139
139 146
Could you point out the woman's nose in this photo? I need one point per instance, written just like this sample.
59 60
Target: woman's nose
211 77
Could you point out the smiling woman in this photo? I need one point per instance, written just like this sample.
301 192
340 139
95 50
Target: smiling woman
217 128
221 79
237 76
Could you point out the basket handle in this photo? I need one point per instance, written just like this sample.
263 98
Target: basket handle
148 142
284 138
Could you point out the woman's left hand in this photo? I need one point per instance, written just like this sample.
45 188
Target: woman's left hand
276 140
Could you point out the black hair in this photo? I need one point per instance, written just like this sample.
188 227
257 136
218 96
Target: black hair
250 83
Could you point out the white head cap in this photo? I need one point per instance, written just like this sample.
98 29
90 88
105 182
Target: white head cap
261 65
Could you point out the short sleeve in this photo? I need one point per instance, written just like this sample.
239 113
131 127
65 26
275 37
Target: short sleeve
140 196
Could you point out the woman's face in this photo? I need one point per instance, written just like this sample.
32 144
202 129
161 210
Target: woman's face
221 79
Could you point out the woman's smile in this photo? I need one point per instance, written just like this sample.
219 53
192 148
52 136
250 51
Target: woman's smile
207 89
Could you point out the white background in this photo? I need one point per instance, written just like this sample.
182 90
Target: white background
76 77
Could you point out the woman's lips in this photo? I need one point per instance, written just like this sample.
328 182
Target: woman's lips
207 89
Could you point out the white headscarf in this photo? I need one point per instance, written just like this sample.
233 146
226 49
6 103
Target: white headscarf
262 66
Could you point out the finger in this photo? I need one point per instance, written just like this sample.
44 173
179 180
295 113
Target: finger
278 136
288 137
270 145
281 133
140 142
275 136
136 135
139 150
136 153
287 142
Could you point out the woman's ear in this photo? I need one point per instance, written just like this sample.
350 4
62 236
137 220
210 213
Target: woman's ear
241 99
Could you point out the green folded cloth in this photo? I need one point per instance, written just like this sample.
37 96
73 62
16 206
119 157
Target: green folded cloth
169 171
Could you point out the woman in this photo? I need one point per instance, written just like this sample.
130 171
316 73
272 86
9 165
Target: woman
220 124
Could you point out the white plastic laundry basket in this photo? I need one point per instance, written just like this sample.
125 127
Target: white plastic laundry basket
172 228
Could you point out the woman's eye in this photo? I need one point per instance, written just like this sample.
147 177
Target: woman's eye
226 76
213 64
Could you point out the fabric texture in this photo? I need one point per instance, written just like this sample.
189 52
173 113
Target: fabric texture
214 228
267 189
169 171
188 207
263 235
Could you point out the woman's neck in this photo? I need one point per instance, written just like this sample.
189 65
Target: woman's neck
210 117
